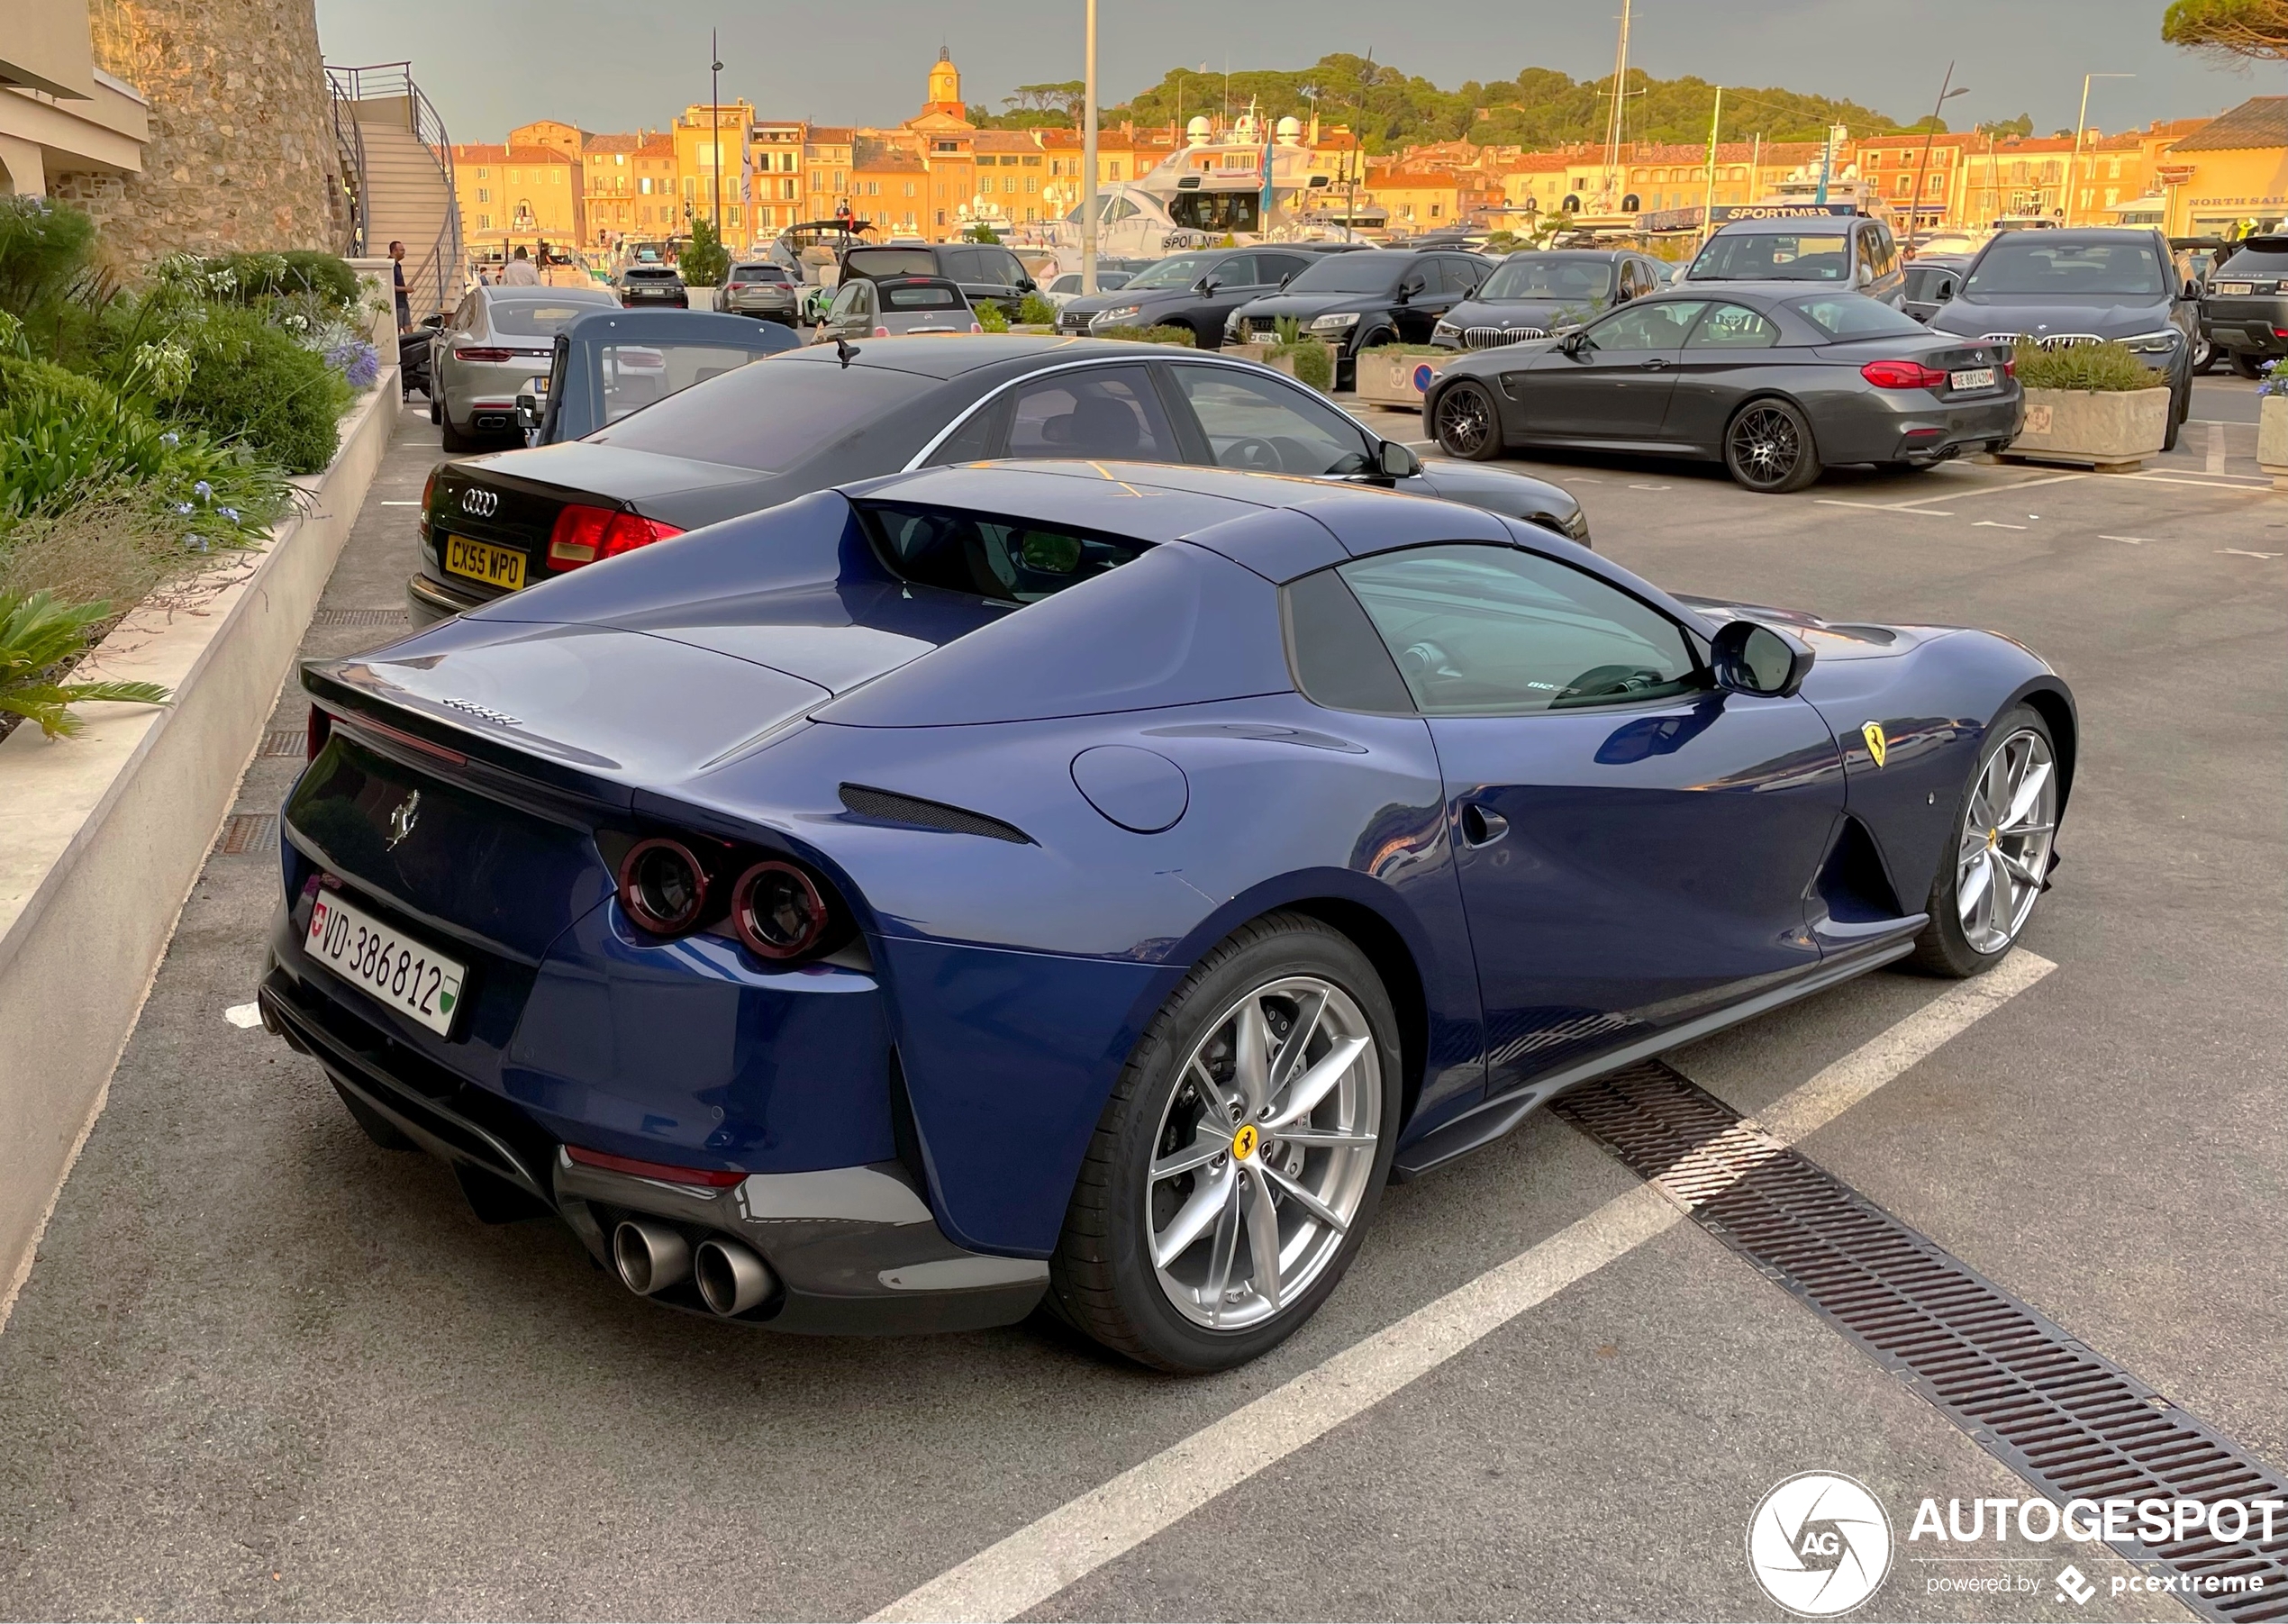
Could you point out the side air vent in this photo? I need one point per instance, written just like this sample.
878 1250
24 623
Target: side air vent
1852 881
887 806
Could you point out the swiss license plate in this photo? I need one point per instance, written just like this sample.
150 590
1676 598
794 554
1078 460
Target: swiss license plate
1974 377
2233 287
385 964
482 561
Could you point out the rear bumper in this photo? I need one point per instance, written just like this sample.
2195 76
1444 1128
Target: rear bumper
1916 429
855 1251
428 601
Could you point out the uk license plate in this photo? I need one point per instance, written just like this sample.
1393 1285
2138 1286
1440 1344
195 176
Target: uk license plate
385 962
1974 377
482 561
2233 287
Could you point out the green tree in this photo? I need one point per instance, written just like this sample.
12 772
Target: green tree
2235 30
981 232
704 261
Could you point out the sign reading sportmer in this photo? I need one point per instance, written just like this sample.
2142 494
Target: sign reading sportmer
1819 1544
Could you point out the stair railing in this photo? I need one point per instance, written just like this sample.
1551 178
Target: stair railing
432 281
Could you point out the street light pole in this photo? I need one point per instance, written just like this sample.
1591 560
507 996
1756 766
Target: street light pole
715 112
2066 212
1088 160
1922 171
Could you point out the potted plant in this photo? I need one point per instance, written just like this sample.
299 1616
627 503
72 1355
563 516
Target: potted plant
2272 426
1300 357
2089 405
1400 375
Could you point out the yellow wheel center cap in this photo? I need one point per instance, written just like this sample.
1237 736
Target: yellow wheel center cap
1243 1142
1992 836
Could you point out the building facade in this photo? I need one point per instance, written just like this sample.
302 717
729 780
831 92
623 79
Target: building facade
516 195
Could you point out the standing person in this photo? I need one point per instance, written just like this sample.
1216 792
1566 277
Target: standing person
397 275
519 272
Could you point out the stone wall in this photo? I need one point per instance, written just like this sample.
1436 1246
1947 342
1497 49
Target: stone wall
241 153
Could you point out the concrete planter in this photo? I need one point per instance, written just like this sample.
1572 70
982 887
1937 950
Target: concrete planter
2092 429
2272 438
106 832
1398 380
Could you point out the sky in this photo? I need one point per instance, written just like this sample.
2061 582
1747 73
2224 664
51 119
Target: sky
608 64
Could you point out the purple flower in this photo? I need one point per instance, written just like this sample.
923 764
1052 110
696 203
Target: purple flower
231 513
202 491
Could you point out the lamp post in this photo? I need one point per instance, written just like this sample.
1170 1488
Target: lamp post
1088 159
2080 120
1922 171
716 113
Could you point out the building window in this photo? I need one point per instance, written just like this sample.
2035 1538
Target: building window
484 194
909 192
483 222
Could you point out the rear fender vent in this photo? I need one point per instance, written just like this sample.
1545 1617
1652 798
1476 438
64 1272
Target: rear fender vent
887 806
1853 882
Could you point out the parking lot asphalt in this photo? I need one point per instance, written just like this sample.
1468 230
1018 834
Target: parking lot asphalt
263 1369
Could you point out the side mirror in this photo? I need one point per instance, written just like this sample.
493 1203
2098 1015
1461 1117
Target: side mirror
1574 342
1026 285
1754 659
1284 280
1408 289
1204 287
1397 462
2192 289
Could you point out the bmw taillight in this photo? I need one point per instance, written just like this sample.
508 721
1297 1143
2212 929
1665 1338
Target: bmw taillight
321 729
663 886
2009 366
1902 375
582 535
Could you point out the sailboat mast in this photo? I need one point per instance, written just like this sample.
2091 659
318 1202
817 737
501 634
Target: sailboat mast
1612 125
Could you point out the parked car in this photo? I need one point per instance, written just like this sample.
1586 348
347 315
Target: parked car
1063 290
1931 281
1531 295
1358 300
482 358
763 289
894 306
2244 306
2081 284
826 415
1197 291
1775 384
1842 250
610 362
985 272
646 282
981 885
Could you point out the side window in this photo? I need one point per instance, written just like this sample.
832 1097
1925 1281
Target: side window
1480 630
846 302
1015 560
1337 656
1273 268
1732 327
976 439
1254 422
959 264
1238 271
1888 247
1632 281
1661 326
1101 412
1942 284
1006 268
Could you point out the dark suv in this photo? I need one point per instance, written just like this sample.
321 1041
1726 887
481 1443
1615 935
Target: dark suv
2245 311
2083 285
1835 250
986 273
1355 301
1197 291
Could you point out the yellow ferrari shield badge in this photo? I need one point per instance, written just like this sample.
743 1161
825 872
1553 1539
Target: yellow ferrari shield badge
1878 746
1243 1141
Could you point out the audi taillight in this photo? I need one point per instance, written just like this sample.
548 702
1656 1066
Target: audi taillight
662 886
428 490
321 729
475 353
582 535
1902 375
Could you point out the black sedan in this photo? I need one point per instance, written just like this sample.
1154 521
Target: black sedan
1354 302
1774 384
1531 295
651 285
799 423
1197 291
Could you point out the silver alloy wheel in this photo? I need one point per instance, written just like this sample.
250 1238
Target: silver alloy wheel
1766 445
1264 1152
2006 835
1464 421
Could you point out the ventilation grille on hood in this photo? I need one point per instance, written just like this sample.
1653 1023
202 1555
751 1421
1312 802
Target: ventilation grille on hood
887 806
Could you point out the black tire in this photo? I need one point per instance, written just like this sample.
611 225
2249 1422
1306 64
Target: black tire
454 439
1465 422
377 1127
436 413
2244 364
1102 1279
1943 949
1769 449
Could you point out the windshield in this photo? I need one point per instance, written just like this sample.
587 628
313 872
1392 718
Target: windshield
517 319
2035 262
1547 276
2268 258
1367 273
1856 316
1012 559
890 262
1180 271
767 417
1774 257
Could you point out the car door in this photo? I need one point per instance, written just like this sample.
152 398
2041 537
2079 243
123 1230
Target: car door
1242 419
1727 349
1614 386
1424 302
1635 848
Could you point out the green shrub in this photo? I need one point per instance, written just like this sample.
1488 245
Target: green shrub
990 318
251 382
39 639
43 249
253 278
704 261
1034 311
1313 362
1408 349
2108 367
981 232
1182 336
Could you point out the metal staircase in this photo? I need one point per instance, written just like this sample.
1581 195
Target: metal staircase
398 163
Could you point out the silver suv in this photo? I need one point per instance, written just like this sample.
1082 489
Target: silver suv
763 290
1829 251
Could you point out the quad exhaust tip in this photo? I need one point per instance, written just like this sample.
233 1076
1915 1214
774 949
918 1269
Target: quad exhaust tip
732 1277
651 1257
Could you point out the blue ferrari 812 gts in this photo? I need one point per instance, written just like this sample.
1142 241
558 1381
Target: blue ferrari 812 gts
1087 884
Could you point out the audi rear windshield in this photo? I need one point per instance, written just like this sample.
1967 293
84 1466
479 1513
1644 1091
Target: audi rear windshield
768 416
2037 262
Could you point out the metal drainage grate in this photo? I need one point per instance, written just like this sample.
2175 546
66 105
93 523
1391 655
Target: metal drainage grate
249 833
284 741
358 617
2068 1421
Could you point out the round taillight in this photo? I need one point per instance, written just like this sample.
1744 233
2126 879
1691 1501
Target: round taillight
779 911
662 886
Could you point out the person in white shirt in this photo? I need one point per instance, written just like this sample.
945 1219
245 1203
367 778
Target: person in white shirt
519 272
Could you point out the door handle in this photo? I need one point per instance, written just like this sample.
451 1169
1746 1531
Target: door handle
1481 827
1654 364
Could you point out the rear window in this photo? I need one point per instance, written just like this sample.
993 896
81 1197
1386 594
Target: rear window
2037 262
919 296
634 375
890 262
524 321
1855 317
1364 272
1015 560
2266 256
1774 257
758 273
766 418
650 273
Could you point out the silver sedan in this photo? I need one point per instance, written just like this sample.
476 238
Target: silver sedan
498 340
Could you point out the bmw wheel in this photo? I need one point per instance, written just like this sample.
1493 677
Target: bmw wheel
1242 1155
1769 449
2006 826
1465 422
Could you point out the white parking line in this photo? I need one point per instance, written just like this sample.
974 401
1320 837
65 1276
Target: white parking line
1889 507
2219 484
1995 524
2216 450
1081 1535
2132 541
